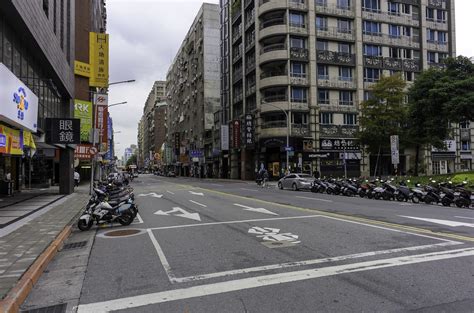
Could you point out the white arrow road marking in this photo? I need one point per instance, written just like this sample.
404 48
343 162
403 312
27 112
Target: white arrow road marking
469 218
170 192
267 280
184 213
152 194
442 222
196 193
195 202
263 230
260 210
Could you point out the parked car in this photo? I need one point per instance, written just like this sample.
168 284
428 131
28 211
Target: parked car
296 181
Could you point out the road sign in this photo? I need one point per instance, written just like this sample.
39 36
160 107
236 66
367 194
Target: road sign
93 151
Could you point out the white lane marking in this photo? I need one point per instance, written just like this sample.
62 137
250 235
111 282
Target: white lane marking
170 192
12 275
196 193
183 213
311 198
442 222
260 210
234 222
312 262
249 189
140 220
195 202
268 280
218 185
406 204
161 255
152 194
469 218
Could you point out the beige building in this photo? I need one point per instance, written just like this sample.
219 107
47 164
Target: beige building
193 97
314 62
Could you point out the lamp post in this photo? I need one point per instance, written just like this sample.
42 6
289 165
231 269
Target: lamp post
343 143
287 134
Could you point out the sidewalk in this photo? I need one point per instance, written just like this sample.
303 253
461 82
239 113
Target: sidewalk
27 245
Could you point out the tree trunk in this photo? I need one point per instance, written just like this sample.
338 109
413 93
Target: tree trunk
377 162
417 159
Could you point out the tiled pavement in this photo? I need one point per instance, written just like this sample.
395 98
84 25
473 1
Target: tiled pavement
20 246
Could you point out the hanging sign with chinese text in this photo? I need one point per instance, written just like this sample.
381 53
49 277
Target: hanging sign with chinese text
101 125
63 131
249 131
99 59
236 134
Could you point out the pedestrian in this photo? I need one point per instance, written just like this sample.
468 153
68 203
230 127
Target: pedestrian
316 174
77 178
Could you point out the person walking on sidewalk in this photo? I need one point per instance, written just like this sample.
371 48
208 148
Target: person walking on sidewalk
77 178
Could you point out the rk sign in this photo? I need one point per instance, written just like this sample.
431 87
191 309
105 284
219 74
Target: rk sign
63 131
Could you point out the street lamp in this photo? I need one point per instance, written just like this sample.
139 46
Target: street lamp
343 143
287 134
114 104
122 82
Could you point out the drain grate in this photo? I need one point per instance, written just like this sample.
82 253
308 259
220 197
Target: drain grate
59 308
75 245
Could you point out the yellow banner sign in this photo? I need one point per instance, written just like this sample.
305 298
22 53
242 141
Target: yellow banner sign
99 59
11 141
82 69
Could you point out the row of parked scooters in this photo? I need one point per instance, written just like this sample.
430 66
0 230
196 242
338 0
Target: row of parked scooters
445 193
110 202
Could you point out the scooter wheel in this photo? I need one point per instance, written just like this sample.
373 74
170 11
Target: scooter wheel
83 225
428 200
329 191
415 199
377 196
349 193
362 194
125 219
446 202
400 197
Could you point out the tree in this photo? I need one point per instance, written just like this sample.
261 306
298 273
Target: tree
427 117
383 115
132 160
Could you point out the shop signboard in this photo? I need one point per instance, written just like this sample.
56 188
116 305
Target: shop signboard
101 125
99 59
176 143
249 131
82 69
83 111
83 152
19 105
338 144
11 141
63 131
236 134
224 137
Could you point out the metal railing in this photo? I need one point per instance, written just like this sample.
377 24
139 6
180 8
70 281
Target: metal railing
336 32
274 98
273 47
334 9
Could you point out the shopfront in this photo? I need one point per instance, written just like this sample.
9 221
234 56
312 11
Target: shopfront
342 156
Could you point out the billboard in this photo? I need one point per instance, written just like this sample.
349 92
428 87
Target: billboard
63 131
99 59
83 111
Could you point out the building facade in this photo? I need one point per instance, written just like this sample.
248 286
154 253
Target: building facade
300 68
37 47
193 87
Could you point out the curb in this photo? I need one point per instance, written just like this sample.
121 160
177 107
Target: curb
17 295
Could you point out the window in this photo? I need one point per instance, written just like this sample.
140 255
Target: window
344 4
322 45
430 35
368 95
298 69
299 118
372 50
406 31
323 96
297 42
442 57
371 74
371 5
325 118
409 76
441 16
297 19
322 3
323 72
298 94
464 125
431 57
345 73
345 97
394 30
371 28
393 8
406 8
321 23
442 37
350 119
344 26
429 14
465 145
344 47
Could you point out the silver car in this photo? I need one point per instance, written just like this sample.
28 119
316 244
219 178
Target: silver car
296 181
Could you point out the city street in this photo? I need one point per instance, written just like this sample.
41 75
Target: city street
230 246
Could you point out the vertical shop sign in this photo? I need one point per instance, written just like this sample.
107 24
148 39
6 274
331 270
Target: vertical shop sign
236 134
224 137
249 130
99 59
83 111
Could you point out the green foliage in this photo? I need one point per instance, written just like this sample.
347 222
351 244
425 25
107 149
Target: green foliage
132 160
384 114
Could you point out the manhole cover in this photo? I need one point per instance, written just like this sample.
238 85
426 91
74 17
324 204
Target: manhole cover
121 233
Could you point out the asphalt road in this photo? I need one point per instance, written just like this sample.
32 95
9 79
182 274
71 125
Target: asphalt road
230 246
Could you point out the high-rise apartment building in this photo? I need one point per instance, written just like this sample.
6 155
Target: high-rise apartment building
312 62
192 87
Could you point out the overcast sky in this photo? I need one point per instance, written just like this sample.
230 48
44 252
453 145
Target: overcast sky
145 36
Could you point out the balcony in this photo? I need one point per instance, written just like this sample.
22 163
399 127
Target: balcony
335 105
338 131
465 134
273 79
273 129
251 89
237 34
410 65
250 19
437 25
271 5
437 46
247 3
237 97
273 52
333 9
298 29
249 42
299 54
237 75
326 82
300 130
249 66
298 5
299 104
335 58
236 15
279 29
386 17
299 79
379 38
275 98
336 33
